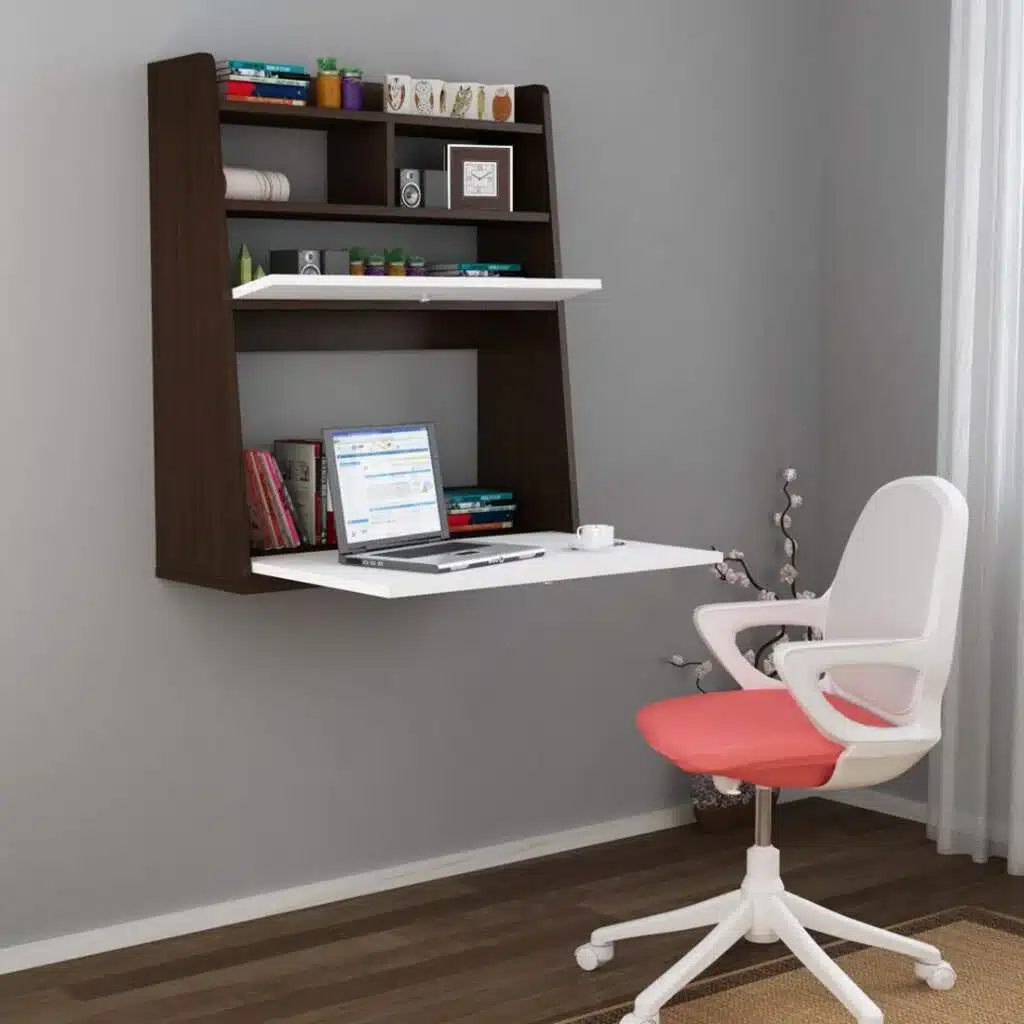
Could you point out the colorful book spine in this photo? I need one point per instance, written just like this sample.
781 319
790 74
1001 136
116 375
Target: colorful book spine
262 492
278 100
474 497
481 527
268 90
260 535
257 65
299 465
280 503
325 497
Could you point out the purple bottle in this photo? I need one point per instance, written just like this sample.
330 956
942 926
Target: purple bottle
352 88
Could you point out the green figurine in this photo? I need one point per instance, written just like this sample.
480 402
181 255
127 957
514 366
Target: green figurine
244 265
260 272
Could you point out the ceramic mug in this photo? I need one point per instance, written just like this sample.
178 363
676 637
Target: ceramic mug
398 94
593 537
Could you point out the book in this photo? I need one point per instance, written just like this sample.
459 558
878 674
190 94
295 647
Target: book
279 100
497 268
258 65
279 503
479 518
270 535
471 497
480 527
244 75
233 90
325 497
299 462
260 535
291 519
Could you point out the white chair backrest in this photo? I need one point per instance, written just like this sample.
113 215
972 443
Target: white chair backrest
900 577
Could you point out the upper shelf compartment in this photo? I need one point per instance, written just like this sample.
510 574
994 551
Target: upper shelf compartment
335 288
321 119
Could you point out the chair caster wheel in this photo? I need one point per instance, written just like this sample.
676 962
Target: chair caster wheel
590 956
940 977
632 1018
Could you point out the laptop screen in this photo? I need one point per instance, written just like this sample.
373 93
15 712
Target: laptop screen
387 483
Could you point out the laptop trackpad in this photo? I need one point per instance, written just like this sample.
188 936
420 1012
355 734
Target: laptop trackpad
429 550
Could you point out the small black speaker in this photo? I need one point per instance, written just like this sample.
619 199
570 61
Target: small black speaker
295 261
410 193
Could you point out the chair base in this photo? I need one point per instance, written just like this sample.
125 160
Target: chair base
762 911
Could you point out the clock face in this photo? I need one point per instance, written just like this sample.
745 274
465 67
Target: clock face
480 178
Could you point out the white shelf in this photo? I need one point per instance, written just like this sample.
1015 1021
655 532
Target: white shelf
341 287
322 568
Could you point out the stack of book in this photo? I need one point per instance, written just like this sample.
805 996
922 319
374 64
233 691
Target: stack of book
475 270
273 518
252 81
304 469
479 509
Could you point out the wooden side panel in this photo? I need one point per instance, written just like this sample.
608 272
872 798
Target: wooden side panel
202 533
525 411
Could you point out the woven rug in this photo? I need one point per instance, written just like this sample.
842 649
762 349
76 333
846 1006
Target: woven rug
987 950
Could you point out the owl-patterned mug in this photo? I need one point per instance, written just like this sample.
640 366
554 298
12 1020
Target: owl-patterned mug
398 94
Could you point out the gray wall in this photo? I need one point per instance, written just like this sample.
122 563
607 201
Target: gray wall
163 747
885 179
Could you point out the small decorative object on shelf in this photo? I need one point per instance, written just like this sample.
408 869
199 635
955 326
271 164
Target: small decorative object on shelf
410 194
715 810
376 265
434 185
500 103
328 83
244 265
336 261
352 88
396 263
479 177
259 272
476 270
356 262
426 96
462 100
398 94
415 266
305 262
258 186
256 82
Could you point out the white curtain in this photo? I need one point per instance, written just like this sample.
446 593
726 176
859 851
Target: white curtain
976 796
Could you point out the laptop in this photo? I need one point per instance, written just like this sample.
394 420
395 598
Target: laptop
389 507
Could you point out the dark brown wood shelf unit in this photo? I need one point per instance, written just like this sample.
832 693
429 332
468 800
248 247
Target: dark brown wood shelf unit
524 427
318 119
240 208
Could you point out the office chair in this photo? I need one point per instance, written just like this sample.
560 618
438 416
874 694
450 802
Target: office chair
855 709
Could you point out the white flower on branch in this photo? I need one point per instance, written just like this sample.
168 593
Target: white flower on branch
789 546
767 595
788 573
782 641
777 519
797 500
704 669
806 595
744 580
787 521
678 660
817 634
736 556
749 655
789 475
768 665
732 576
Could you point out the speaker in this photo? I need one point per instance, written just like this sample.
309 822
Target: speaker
295 261
435 189
410 193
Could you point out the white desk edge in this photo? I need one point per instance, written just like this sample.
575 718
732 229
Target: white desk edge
322 568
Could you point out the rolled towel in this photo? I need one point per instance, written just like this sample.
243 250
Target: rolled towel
259 186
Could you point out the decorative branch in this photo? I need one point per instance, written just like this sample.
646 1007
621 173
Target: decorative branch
734 569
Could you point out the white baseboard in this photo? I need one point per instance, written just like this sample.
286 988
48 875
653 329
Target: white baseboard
883 803
250 908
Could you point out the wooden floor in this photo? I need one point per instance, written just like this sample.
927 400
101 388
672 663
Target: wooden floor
496 947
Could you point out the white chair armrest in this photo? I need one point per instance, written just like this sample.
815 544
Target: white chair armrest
718 625
801 665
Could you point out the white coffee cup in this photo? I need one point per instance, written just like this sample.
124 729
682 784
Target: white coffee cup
593 537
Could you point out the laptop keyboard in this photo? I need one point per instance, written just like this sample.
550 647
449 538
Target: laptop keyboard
452 547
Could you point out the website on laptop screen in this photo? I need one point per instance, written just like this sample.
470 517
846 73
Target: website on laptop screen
386 480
